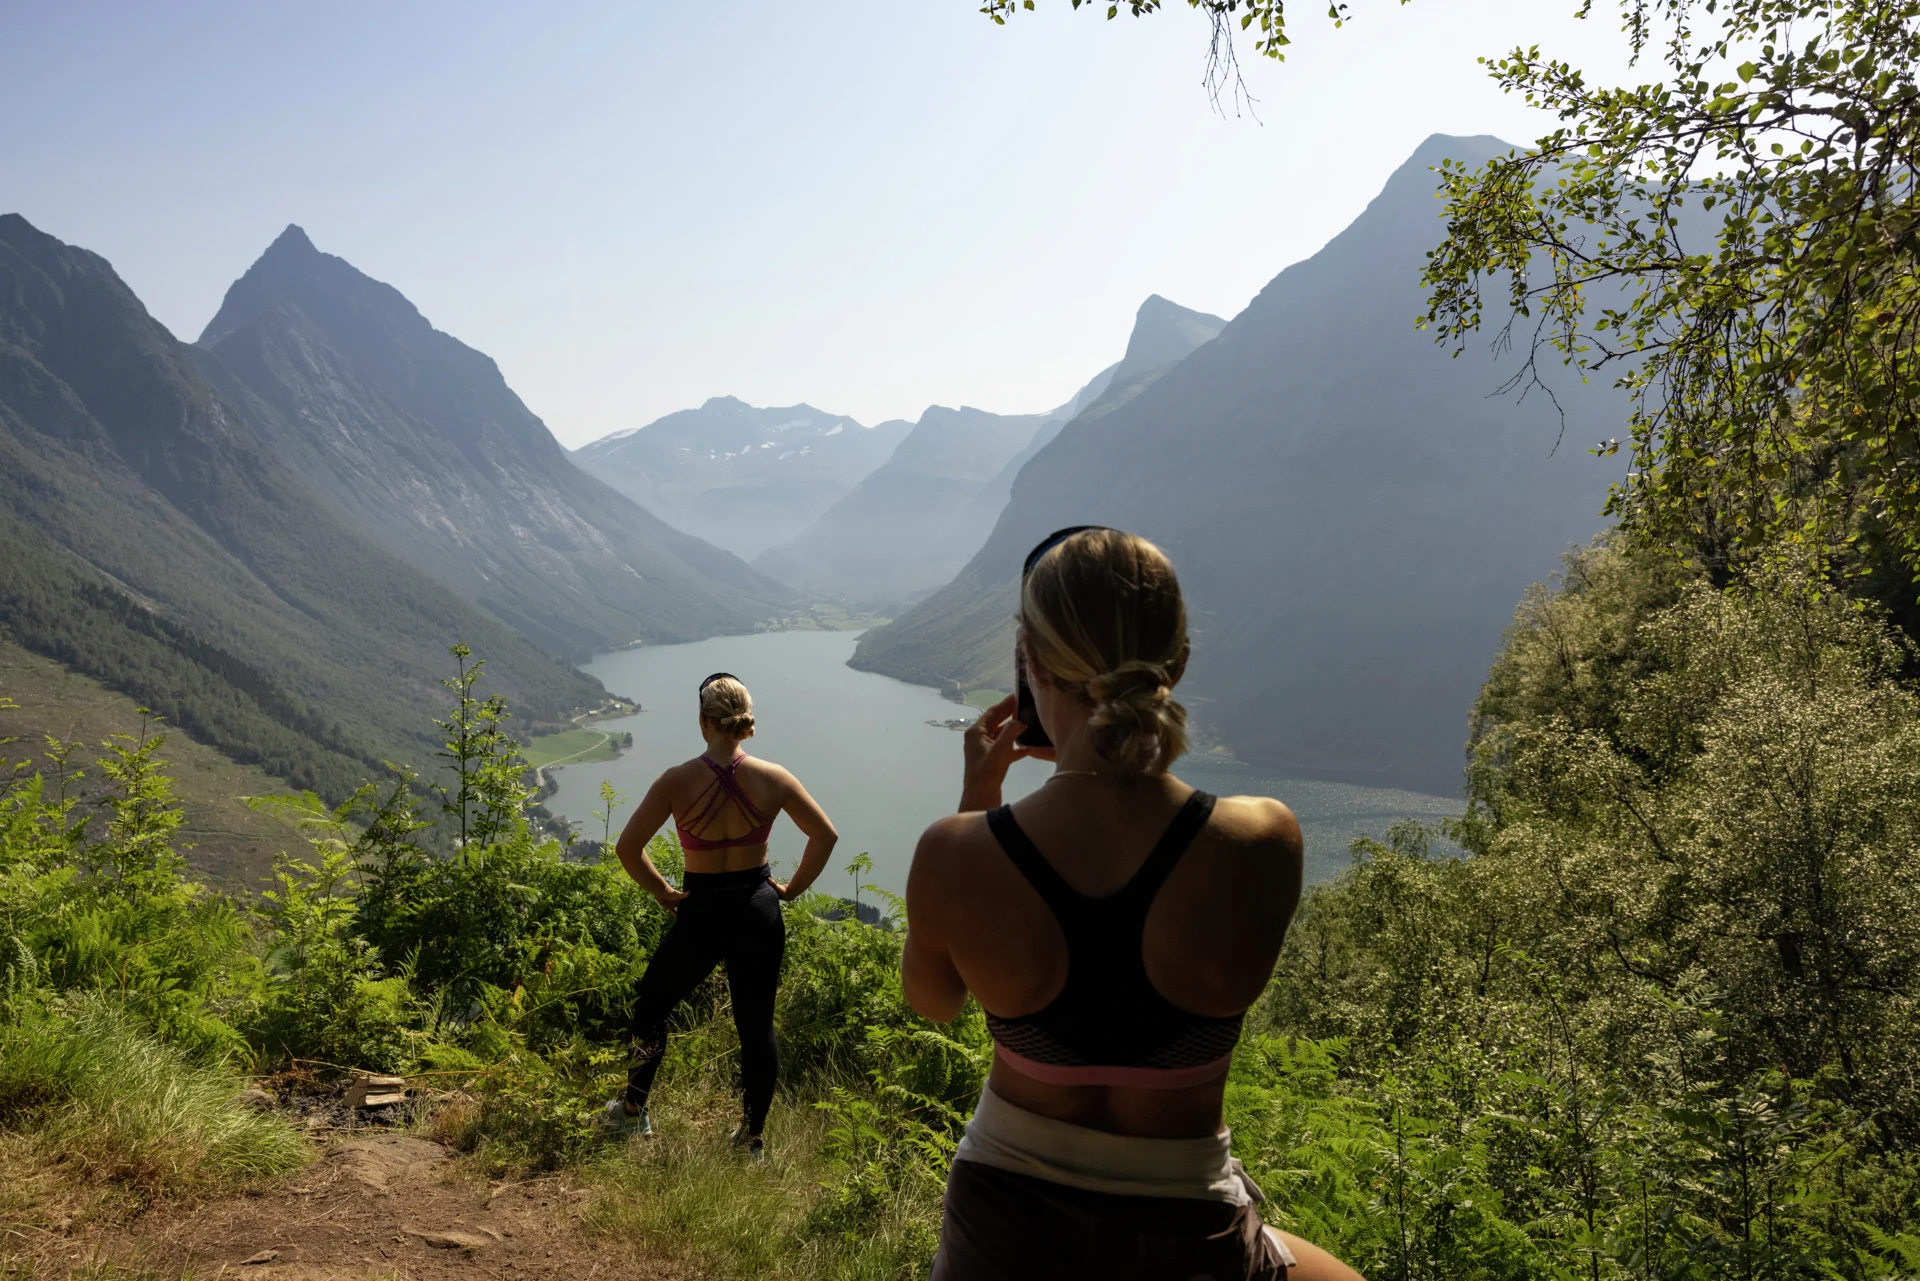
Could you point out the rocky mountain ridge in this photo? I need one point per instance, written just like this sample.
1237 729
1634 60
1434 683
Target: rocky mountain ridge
150 538
417 440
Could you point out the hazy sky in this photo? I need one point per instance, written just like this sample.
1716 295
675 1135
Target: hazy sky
869 205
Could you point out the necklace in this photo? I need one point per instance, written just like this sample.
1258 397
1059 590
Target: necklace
1082 773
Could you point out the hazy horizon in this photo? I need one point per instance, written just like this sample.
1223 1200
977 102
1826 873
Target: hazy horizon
867 208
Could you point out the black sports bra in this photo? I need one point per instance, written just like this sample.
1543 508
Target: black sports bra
1108 1025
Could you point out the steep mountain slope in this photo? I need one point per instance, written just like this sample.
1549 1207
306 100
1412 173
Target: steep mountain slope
149 540
1164 334
1353 513
909 526
742 478
416 439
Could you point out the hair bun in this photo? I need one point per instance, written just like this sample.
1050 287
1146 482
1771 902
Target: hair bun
727 706
1136 722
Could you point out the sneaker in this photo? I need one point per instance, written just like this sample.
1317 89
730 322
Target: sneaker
623 1123
755 1146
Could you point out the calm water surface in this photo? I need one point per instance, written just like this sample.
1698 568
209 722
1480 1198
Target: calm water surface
862 745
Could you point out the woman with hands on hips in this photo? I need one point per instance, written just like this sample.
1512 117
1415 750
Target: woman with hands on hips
723 804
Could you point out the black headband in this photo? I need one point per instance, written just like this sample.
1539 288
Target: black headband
718 676
1050 542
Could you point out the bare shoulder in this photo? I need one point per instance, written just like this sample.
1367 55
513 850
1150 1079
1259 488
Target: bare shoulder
950 841
677 775
1257 820
948 859
777 774
1256 842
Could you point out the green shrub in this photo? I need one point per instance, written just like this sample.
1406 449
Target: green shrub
1660 1021
841 1014
101 901
326 1001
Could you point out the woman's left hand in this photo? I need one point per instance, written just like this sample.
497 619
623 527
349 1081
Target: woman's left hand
991 746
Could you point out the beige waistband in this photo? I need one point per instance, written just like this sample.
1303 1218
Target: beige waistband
1012 1138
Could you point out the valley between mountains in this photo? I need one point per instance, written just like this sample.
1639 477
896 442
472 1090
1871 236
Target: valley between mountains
328 675
270 535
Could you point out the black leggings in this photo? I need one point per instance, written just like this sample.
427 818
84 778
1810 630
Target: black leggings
727 916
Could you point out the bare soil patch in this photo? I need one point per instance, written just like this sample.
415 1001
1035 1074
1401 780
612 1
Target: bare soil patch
388 1206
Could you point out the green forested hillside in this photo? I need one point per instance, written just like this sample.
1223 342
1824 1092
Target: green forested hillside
152 542
1658 1020
226 841
1666 1009
56 606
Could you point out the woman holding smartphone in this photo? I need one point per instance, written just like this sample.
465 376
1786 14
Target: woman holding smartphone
723 804
1116 925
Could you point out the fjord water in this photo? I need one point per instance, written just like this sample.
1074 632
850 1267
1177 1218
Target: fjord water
862 745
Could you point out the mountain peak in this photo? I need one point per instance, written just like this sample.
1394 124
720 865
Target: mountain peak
292 241
1413 178
1163 332
325 287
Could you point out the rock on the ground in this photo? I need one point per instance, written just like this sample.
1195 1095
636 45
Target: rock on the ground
451 1239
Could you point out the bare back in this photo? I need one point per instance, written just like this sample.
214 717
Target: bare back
690 789
1211 936
724 821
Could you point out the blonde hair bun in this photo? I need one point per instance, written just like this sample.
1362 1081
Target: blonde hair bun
1135 716
728 707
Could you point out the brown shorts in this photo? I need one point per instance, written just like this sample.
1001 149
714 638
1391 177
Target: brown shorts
1002 1226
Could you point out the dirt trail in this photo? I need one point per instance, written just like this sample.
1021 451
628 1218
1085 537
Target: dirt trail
388 1206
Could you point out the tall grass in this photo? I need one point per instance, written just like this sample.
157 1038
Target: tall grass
687 1194
842 1193
89 1085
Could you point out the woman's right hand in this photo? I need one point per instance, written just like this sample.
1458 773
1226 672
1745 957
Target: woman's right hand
990 747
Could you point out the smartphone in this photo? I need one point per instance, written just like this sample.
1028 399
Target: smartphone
1035 734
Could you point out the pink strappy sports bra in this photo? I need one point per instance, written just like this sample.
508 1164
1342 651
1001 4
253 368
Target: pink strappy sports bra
725 789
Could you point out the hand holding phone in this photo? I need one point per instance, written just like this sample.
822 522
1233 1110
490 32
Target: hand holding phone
990 746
